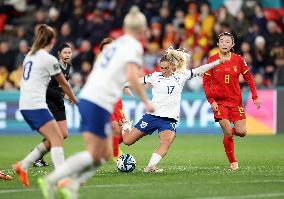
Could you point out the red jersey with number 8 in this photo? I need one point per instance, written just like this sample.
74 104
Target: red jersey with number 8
221 83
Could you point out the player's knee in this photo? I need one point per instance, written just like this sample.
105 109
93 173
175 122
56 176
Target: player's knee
166 141
228 132
242 132
128 142
65 135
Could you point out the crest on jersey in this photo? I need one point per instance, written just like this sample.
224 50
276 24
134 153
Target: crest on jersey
235 68
143 124
56 66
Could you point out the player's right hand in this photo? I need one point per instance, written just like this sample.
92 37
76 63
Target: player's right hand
214 107
149 107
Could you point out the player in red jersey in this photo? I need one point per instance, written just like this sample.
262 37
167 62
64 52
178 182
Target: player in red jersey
222 89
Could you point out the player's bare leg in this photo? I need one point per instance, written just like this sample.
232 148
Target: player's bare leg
166 139
130 137
64 130
98 150
54 142
70 186
228 142
240 128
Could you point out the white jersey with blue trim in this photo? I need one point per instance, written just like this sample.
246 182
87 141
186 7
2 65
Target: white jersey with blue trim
106 81
37 71
166 93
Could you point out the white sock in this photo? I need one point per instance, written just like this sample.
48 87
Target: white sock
87 174
57 156
74 165
155 159
34 155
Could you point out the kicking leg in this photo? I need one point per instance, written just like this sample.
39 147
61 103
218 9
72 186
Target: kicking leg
166 139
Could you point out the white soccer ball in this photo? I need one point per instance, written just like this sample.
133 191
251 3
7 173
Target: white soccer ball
126 163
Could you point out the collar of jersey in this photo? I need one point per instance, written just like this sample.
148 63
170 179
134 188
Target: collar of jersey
220 56
161 75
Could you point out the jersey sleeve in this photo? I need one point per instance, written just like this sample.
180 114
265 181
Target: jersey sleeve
244 66
53 67
207 84
248 78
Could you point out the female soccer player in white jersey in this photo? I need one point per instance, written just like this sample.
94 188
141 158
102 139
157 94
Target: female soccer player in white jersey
116 64
166 86
38 67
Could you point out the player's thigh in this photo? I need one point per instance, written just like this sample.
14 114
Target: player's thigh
241 126
63 128
167 137
95 144
52 133
226 126
134 135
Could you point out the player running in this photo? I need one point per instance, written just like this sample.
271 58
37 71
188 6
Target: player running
38 67
166 87
117 117
222 89
55 95
114 66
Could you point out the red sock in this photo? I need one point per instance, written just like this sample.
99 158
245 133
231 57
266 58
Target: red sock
229 148
234 132
115 145
120 139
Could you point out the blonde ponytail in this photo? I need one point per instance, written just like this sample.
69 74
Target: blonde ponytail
180 58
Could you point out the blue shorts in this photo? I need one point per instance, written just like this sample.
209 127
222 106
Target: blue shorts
150 123
37 118
94 119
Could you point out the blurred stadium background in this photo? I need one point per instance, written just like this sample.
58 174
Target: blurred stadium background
257 26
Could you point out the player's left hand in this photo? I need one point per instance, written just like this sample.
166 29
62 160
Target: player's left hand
257 103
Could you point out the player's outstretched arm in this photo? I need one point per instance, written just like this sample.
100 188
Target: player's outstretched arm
249 79
65 87
132 74
202 69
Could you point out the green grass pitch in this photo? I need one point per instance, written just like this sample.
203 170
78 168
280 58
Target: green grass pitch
195 167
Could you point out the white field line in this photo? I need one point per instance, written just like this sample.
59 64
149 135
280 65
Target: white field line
260 195
151 184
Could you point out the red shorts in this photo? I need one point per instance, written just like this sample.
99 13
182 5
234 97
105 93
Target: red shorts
230 113
118 113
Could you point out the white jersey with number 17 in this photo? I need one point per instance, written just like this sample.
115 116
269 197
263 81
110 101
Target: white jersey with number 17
106 81
37 70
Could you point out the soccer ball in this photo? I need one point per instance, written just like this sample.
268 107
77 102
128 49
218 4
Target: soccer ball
126 163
